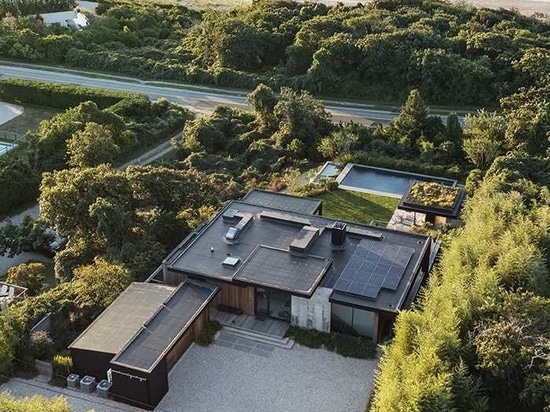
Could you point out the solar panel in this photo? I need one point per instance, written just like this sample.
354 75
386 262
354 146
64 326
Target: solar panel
374 265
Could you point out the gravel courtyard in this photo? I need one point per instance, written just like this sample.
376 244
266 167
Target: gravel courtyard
218 378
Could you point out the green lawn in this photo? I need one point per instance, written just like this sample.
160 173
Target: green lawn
357 206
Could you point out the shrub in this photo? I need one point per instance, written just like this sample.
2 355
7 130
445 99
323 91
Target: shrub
42 345
206 335
62 365
345 345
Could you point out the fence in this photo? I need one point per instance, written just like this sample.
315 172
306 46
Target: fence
9 140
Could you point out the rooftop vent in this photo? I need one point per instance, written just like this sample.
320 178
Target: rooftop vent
338 234
232 233
231 261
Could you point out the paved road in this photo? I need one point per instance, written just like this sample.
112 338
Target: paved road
199 99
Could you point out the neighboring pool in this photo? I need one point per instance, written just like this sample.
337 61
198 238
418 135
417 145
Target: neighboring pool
5 147
328 171
383 182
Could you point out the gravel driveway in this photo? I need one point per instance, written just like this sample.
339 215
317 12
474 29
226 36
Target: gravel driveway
218 378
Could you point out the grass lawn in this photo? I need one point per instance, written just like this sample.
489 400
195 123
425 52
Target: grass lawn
357 206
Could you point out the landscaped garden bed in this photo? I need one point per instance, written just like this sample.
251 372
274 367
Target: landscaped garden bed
432 194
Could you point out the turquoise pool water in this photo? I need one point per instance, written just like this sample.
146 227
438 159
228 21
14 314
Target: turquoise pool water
385 182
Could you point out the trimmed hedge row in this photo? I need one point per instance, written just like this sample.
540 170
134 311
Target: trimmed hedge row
60 96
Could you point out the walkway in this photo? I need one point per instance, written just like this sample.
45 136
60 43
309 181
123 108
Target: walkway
266 326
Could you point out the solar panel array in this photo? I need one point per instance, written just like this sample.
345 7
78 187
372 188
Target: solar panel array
374 265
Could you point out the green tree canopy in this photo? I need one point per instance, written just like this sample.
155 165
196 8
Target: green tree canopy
97 285
92 146
28 275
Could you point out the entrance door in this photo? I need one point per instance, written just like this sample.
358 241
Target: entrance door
273 303
262 302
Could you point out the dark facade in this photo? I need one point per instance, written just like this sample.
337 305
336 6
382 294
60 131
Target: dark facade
165 321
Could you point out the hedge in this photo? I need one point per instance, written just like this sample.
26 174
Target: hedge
60 96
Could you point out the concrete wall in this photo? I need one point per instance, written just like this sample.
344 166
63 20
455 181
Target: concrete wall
313 313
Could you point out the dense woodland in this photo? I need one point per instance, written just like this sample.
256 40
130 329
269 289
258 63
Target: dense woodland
379 51
479 337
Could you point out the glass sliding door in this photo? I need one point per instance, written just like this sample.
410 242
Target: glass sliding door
273 303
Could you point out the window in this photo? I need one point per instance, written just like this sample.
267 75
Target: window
346 319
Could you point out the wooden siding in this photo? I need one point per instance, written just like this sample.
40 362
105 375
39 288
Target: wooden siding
88 362
186 339
172 278
139 388
241 297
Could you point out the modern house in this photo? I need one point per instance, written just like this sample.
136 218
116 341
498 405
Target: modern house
271 256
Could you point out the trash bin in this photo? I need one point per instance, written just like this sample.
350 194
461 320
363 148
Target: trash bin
103 388
87 384
73 381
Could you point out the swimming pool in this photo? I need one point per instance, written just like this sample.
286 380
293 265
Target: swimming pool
329 170
5 147
383 182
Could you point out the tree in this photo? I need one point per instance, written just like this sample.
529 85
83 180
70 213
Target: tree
528 121
263 100
92 146
97 285
301 121
455 135
484 135
28 275
128 216
27 236
339 143
412 119
513 348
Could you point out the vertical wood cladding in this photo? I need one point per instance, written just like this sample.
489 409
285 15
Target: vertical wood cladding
241 297
186 340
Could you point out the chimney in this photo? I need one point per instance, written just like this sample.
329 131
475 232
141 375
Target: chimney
338 230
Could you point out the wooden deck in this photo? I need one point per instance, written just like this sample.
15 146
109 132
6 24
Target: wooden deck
271 327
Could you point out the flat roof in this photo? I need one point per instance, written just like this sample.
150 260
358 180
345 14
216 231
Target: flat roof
280 269
203 256
117 324
283 201
171 320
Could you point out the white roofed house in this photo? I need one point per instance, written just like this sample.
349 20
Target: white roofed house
72 19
